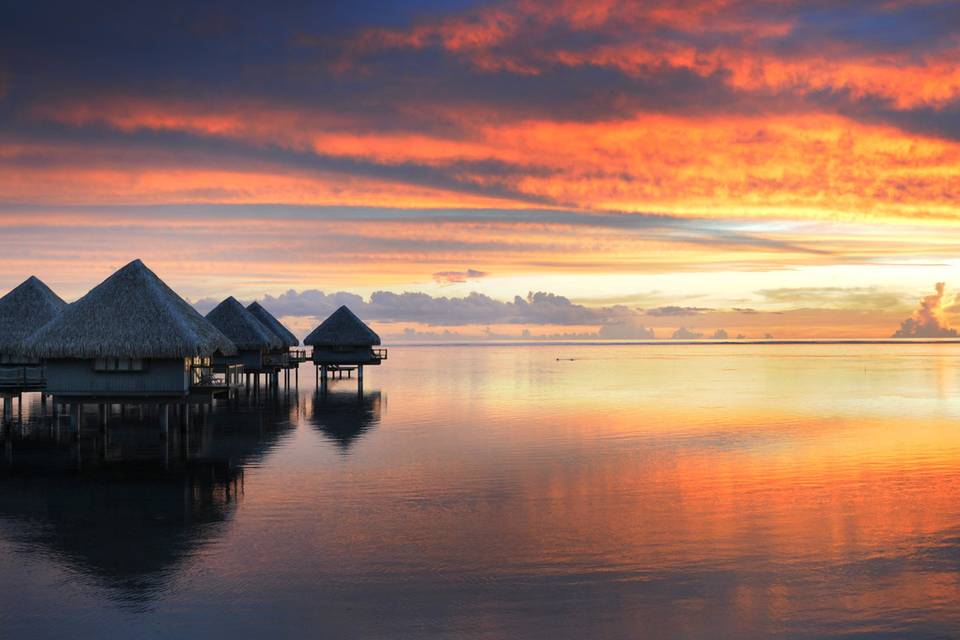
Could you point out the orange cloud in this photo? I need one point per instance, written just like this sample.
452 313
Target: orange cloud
492 38
814 165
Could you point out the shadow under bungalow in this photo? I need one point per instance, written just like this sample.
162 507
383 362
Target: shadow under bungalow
163 498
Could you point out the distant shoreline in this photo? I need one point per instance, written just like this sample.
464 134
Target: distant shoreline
665 342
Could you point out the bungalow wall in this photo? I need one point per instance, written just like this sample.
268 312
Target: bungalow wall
252 360
344 355
17 359
162 377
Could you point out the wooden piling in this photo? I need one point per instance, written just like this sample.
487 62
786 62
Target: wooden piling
76 416
164 420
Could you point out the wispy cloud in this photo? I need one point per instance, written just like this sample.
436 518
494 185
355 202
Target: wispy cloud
675 311
452 277
522 139
835 297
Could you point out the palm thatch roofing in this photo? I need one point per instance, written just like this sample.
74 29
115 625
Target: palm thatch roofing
24 310
268 320
242 327
131 314
342 329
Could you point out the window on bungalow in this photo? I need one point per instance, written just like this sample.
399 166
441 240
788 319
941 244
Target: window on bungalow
118 364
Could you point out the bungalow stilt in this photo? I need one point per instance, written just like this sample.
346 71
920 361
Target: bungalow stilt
254 341
285 358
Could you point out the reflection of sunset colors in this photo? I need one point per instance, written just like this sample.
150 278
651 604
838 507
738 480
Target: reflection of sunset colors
706 491
771 481
757 146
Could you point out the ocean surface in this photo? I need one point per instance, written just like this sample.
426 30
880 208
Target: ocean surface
547 491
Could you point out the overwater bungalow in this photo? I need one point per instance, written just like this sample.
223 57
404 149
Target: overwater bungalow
22 312
130 337
343 342
255 342
289 358
270 321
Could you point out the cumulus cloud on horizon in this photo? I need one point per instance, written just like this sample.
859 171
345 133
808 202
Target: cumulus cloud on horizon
612 322
544 315
536 308
928 320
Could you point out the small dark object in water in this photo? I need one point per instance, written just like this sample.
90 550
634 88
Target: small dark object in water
566 359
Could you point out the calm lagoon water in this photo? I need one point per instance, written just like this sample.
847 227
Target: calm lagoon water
735 491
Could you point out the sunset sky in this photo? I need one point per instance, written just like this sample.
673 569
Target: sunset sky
457 168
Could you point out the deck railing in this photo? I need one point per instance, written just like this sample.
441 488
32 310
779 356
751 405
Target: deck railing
207 376
21 376
298 355
276 359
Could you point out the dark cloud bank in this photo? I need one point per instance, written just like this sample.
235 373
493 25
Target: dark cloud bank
614 322
541 309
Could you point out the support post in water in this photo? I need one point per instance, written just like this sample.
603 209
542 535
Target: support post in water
164 420
76 416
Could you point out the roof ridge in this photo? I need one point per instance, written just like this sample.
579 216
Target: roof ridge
132 313
155 285
241 326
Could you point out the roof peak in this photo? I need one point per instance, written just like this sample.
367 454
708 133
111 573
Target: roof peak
23 310
342 328
241 326
132 313
268 320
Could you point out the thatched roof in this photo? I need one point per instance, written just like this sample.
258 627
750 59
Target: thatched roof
342 329
24 310
270 322
242 327
131 314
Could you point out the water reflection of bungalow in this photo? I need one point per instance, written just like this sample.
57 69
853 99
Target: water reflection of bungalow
130 337
344 418
344 343
255 342
22 312
126 508
126 528
289 357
